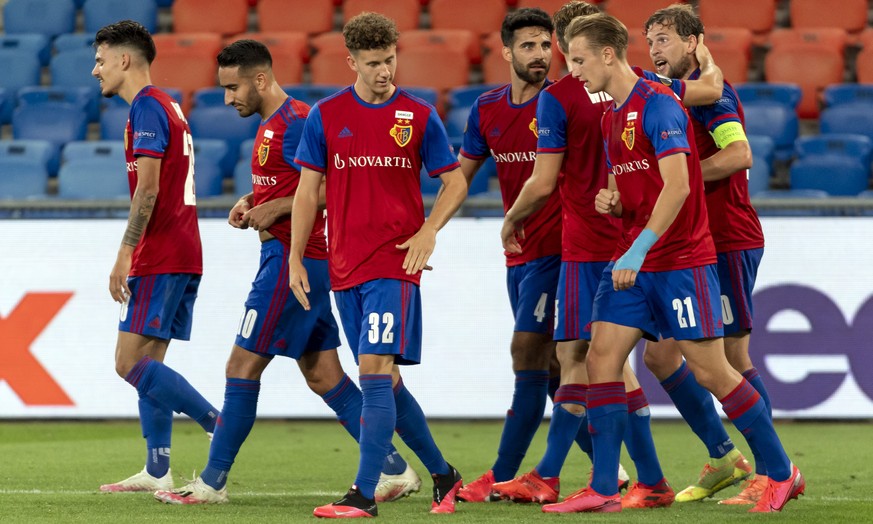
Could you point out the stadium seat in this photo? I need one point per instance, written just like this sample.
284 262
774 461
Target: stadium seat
763 151
405 13
289 51
58 124
208 177
7 102
78 150
226 17
429 95
847 93
328 64
99 13
758 16
549 6
83 98
732 47
786 94
73 68
223 123
480 17
864 59
47 17
836 175
21 177
309 16
858 147
20 68
33 43
113 120
825 37
638 50
209 97
434 67
456 122
851 15
774 120
311 93
242 177
93 179
855 118
211 151
69 41
40 150
464 96
460 40
245 149
634 13
186 62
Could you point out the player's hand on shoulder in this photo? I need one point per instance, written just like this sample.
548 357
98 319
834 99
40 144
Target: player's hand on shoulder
606 200
235 218
510 235
298 281
418 250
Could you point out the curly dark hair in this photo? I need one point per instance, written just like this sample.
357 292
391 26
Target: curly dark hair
566 14
370 31
246 54
521 18
129 34
679 16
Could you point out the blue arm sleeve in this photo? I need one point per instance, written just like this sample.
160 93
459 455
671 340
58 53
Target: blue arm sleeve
723 111
312 151
551 124
474 143
436 152
665 123
150 126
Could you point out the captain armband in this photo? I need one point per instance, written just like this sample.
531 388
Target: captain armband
727 133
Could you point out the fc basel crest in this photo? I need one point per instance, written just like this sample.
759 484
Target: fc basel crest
627 136
533 127
263 151
402 132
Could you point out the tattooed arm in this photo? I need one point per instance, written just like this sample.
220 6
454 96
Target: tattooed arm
141 206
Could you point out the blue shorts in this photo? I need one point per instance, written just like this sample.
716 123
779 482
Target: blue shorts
532 288
382 317
684 304
576 289
737 271
274 323
160 306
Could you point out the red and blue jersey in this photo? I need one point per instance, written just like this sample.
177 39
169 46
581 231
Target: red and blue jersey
372 155
508 132
675 84
157 128
652 124
275 175
732 219
569 117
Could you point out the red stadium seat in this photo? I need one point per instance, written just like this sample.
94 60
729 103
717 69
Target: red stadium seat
634 13
811 67
226 17
827 37
186 62
851 15
864 60
289 51
731 47
638 49
479 16
440 68
758 16
549 6
309 16
457 39
328 64
405 13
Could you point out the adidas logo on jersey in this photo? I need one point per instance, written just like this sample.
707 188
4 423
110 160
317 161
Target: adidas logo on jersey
345 133
155 323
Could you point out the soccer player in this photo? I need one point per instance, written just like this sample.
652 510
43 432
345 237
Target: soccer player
739 243
503 124
369 142
159 263
664 278
273 322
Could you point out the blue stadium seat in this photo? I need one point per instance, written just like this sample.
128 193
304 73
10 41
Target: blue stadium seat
81 98
208 177
786 94
209 97
429 186
34 43
762 163
242 177
58 124
20 69
790 194
73 68
93 179
850 146
223 123
456 121
464 96
99 13
428 94
854 117
847 93
210 156
22 177
41 150
311 93
836 175
7 102
47 17
111 149
774 120
245 149
113 121
72 41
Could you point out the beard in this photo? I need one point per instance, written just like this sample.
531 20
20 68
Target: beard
681 68
531 77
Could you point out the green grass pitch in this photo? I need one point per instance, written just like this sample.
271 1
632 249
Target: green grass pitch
50 471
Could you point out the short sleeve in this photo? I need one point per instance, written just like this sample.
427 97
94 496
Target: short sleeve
436 152
150 126
665 123
312 151
474 145
551 124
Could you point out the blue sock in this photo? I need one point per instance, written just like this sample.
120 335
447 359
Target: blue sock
345 400
157 428
583 437
752 376
696 407
563 428
413 429
522 421
153 379
607 415
234 425
746 409
378 414
638 439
